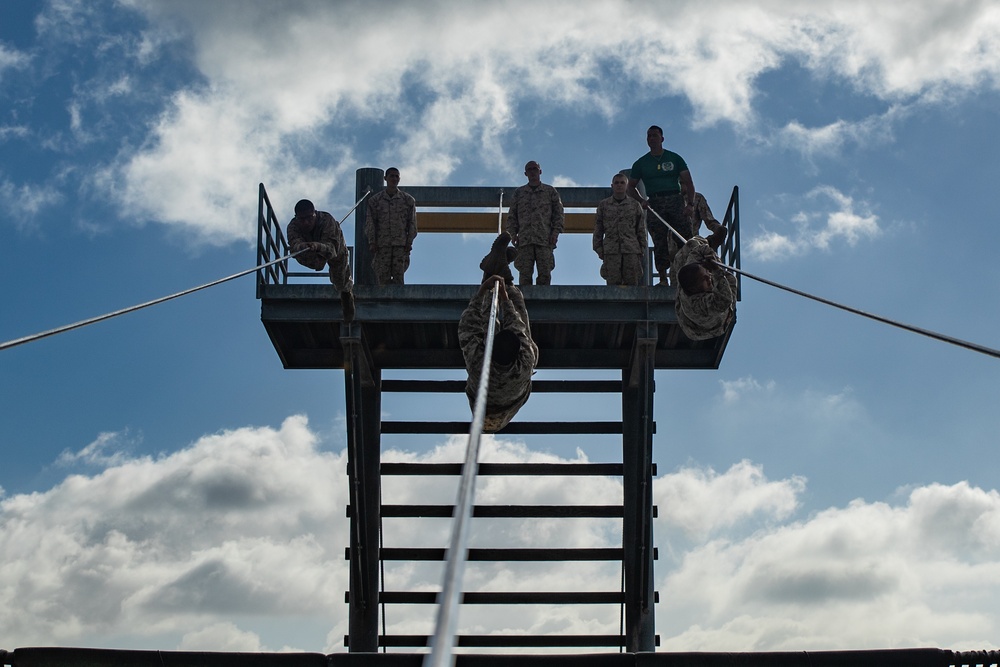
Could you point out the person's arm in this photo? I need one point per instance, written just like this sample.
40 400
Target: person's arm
599 231
295 240
558 222
371 226
411 223
640 229
633 192
513 224
687 188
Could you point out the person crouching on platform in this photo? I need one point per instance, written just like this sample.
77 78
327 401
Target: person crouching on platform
320 235
514 352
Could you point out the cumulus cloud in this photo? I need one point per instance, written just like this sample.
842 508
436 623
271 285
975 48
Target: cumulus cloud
863 576
236 543
833 216
299 115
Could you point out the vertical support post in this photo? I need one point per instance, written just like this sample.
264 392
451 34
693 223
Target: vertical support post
367 177
637 480
363 461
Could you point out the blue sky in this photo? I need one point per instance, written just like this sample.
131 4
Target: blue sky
166 484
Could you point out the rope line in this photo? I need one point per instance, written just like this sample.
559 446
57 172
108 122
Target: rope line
443 639
123 311
500 213
975 347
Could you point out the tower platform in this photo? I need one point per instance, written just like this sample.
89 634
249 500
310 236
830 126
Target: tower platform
416 326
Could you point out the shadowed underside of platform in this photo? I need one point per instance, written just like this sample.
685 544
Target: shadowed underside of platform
416 326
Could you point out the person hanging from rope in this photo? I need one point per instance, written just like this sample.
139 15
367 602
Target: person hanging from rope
706 296
320 235
514 352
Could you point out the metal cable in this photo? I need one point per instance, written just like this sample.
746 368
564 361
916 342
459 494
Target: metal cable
123 311
443 640
975 347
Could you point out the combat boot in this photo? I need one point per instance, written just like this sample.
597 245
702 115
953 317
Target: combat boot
498 259
347 304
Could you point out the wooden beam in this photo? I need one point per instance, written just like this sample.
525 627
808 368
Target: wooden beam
453 222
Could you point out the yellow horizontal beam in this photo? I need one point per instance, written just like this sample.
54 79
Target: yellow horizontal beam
473 222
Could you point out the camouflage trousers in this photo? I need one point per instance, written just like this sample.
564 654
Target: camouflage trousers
340 268
390 263
531 256
619 269
665 244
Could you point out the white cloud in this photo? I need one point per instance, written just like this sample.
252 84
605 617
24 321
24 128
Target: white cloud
12 59
834 216
291 110
109 449
22 203
864 576
238 539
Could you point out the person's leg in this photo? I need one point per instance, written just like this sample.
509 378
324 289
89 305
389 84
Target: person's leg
525 264
545 259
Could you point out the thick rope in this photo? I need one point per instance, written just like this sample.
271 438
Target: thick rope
123 311
500 214
975 347
443 640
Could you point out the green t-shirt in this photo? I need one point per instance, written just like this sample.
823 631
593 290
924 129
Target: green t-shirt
660 175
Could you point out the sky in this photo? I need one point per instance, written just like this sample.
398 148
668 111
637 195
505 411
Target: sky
166 484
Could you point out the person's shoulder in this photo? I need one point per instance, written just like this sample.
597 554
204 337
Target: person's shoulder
324 217
408 197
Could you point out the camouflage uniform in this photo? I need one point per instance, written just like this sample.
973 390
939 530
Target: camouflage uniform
620 240
535 215
391 226
708 314
702 213
671 208
326 230
508 388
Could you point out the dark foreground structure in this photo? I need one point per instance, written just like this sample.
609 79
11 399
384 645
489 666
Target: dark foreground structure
630 331
83 657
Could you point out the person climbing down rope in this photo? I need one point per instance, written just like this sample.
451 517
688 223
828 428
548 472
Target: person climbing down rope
320 235
514 352
706 295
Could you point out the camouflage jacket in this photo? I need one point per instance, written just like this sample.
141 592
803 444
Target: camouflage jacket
326 230
705 315
535 214
508 388
620 227
391 219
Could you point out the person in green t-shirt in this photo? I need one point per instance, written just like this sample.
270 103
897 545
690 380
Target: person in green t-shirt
670 191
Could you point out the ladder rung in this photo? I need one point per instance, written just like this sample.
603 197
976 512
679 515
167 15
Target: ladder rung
503 555
507 641
514 428
510 511
507 511
558 555
510 469
574 597
537 386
